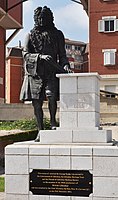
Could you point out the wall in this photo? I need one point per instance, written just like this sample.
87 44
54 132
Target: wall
108 111
14 79
3 4
15 12
20 111
10 20
109 80
2 64
99 41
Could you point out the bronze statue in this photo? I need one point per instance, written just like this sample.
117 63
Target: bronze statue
44 57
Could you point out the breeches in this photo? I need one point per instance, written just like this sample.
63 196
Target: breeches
50 88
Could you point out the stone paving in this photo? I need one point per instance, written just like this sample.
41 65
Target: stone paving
2 196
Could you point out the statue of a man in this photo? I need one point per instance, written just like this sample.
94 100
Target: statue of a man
44 47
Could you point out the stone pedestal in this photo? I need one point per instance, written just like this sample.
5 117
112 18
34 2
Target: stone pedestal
78 145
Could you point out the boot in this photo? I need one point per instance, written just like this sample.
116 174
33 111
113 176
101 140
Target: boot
38 137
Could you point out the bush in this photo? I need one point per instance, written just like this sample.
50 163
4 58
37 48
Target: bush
26 124
20 124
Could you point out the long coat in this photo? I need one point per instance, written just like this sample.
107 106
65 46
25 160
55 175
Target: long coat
35 68
32 83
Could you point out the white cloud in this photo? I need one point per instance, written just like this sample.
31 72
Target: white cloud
27 7
72 19
72 13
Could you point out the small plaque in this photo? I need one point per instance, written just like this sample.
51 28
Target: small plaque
61 182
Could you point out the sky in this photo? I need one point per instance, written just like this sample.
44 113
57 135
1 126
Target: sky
69 17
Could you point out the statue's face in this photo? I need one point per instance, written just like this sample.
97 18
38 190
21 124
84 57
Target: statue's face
42 20
43 17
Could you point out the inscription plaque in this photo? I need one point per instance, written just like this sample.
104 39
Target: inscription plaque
61 182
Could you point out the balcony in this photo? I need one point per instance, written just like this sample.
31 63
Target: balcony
2 13
8 22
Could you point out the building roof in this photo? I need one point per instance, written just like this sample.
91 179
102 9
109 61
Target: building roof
85 5
15 52
73 42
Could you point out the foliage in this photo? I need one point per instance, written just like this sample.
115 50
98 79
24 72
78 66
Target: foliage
2 184
26 124
20 124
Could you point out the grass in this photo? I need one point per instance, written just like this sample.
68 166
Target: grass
26 124
28 128
20 124
2 184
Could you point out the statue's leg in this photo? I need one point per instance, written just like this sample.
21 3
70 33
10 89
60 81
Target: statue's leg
38 111
52 89
52 105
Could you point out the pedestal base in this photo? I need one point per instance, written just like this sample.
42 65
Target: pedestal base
90 135
100 161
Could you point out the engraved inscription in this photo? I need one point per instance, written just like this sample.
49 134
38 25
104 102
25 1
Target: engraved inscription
83 101
61 182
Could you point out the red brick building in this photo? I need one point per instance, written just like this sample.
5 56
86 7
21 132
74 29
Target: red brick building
10 18
76 51
14 75
103 40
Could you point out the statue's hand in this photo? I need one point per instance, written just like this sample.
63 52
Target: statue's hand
67 68
46 57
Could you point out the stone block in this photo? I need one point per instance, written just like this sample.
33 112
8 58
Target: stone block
90 85
81 163
80 102
102 198
82 198
59 162
88 102
99 136
88 119
105 166
105 151
56 136
68 119
16 164
13 149
68 102
105 187
81 151
16 197
68 85
39 162
60 198
59 151
37 197
38 150
17 184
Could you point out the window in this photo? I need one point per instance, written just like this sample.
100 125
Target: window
108 24
109 56
111 89
77 48
69 47
78 66
78 58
